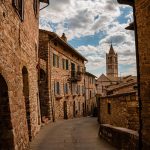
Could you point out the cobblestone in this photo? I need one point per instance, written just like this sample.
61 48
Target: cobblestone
73 134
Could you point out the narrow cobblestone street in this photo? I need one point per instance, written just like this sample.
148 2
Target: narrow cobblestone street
74 134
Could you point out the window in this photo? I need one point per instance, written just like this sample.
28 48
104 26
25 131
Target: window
55 60
19 6
78 89
63 63
35 7
57 88
66 88
67 64
109 108
90 94
78 69
74 88
82 89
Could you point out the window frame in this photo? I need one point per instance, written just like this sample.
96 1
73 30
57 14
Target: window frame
109 108
19 9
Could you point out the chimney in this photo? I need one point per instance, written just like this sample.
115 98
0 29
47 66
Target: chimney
64 37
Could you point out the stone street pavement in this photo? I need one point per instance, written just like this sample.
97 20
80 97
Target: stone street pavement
73 134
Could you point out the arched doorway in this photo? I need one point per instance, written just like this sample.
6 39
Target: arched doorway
26 96
43 95
6 134
83 111
65 110
74 109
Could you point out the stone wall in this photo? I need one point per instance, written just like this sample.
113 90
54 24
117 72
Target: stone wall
18 49
121 138
120 110
142 11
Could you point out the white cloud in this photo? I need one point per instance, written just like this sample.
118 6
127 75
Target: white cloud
86 17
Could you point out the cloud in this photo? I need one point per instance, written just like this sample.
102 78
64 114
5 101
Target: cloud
83 18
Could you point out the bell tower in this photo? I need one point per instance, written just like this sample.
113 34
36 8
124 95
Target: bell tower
112 63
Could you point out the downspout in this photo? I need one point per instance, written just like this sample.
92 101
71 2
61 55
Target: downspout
138 78
49 77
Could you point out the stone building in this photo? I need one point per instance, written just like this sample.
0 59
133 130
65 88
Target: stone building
103 81
90 93
141 13
65 69
125 85
19 103
112 63
119 107
119 114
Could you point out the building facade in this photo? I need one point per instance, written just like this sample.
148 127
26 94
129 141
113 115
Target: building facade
65 73
90 93
19 106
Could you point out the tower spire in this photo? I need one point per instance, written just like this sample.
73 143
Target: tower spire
111 51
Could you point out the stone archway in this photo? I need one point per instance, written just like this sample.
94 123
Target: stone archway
43 95
65 110
6 134
26 96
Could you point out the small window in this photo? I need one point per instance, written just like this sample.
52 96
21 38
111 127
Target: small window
57 88
19 6
109 108
63 63
78 68
55 60
67 64
90 94
66 88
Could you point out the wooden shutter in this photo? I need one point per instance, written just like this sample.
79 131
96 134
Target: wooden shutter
67 67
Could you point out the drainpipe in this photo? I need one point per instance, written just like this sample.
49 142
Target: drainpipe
49 77
138 78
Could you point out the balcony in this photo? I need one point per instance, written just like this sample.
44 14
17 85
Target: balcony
76 76
58 96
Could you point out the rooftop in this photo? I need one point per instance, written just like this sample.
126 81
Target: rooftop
63 42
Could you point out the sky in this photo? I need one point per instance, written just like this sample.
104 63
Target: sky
90 27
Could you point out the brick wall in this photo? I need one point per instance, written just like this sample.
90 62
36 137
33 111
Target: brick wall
120 110
18 48
142 11
121 138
